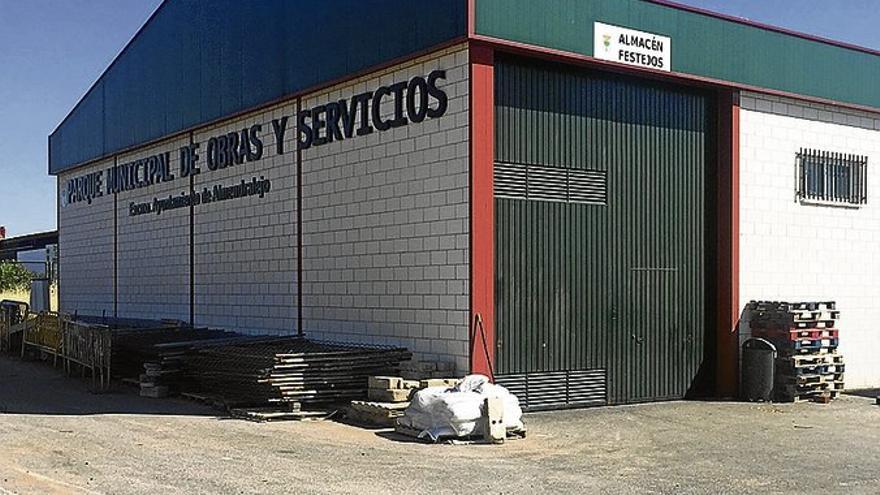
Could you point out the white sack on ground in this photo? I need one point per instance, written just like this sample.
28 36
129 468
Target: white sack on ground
457 411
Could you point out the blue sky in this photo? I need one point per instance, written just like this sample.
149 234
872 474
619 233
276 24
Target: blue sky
51 51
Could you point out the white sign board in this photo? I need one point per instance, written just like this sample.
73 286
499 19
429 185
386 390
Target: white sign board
630 47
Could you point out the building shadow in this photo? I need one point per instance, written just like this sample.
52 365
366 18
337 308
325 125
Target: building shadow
871 393
33 387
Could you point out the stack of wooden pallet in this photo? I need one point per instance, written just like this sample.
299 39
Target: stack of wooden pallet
806 337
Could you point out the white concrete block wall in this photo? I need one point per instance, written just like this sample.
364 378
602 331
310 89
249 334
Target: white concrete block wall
790 251
385 232
245 248
385 224
153 250
86 250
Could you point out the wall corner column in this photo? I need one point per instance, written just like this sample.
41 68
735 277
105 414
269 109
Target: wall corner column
482 213
727 269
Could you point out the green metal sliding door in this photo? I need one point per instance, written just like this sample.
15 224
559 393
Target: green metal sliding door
600 226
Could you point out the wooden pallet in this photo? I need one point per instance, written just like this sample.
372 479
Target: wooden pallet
795 334
800 380
818 315
787 353
787 368
814 306
789 324
807 344
814 359
792 389
823 397
786 307
806 380
383 414
410 432
264 414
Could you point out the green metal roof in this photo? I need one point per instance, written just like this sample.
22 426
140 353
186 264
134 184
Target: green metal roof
703 44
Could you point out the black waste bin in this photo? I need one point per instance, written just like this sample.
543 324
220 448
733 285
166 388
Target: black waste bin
758 367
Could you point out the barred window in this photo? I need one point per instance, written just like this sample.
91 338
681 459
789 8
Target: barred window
834 178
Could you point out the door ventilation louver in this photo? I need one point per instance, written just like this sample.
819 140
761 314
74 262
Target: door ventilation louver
542 183
557 389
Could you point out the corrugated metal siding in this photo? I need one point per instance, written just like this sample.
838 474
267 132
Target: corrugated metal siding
557 389
617 287
701 45
551 313
198 61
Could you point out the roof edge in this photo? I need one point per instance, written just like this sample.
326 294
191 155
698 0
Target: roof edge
459 40
107 69
565 56
764 26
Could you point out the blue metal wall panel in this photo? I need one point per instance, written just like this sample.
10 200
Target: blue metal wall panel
83 136
197 61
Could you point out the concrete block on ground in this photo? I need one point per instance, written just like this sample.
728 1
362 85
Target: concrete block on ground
385 382
376 413
156 392
389 395
493 414
439 382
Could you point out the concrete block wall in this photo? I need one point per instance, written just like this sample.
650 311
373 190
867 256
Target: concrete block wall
245 249
793 251
85 252
153 250
385 224
385 234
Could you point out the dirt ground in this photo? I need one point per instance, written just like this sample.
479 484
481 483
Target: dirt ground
56 437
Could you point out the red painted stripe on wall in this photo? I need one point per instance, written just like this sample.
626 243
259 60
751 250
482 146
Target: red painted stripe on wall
727 270
482 223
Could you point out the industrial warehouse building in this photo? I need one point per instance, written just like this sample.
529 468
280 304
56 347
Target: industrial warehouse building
576 196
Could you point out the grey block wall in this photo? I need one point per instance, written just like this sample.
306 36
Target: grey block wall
385 224
85 255
245 249
153 250
385 232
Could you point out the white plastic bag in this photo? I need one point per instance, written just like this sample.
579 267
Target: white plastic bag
457 412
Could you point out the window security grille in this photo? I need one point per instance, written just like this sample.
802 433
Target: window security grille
541 183
828 177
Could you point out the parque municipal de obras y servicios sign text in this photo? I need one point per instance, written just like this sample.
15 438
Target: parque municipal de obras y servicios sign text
414 100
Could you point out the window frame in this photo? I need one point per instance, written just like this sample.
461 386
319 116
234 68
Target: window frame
831 178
